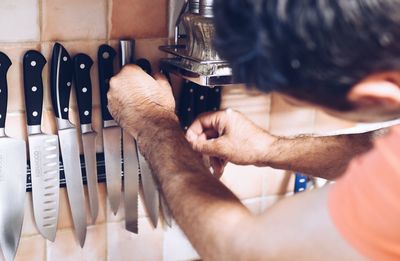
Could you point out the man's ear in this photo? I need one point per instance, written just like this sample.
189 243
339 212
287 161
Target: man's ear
381 90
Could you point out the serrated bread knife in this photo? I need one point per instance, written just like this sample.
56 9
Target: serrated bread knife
12 175
61 81
43 150
150 190
83 86
111 130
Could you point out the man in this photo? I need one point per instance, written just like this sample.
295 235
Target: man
343 56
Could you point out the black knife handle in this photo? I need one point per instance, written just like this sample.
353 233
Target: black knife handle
60 81
105 57
145 65
83 86
5 64
33 65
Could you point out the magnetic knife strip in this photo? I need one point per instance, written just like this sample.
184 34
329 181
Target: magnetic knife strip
101 172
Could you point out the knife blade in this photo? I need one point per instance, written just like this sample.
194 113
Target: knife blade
131 161
83 87
12 175
61 81
150 191
166 213
43 150
111 130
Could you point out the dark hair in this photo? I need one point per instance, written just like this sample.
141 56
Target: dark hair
315 50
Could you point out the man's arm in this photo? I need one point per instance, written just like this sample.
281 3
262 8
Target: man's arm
212 217
232 137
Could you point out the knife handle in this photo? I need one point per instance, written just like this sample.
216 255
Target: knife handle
83 86
145 65
5 64
60 81
33 64
105 57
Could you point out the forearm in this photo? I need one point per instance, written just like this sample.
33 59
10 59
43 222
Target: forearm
325 157
203 207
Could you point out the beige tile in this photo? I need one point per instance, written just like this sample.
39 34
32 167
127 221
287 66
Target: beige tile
244 181
138 19
67 247
326 123
29 226
267 202
97 124
16 125
148 49
49 122
253 204
31 248
101 218
123 245
76 20
15 76
287 119
177 246
19 20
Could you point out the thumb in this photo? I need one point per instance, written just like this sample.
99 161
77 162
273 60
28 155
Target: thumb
211 147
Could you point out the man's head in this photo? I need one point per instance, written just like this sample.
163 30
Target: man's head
341 54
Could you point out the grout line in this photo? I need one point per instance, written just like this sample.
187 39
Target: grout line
40 13
109 19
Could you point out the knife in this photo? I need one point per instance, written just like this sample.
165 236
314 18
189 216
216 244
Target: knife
130 154
12 175
111 130
83 87
150 190
43 150
61 81
166 213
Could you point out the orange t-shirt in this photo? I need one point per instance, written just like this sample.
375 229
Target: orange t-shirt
365 203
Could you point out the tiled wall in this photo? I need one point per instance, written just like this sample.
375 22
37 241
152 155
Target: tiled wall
81 26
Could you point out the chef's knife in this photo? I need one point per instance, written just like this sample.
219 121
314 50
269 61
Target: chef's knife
111 130
83 86
43 150
130 154
12 175
61 81
150 190
146 66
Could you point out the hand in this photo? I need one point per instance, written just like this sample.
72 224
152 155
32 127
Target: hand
230 136
135 99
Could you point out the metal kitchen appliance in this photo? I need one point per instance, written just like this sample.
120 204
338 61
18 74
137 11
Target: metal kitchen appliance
196 60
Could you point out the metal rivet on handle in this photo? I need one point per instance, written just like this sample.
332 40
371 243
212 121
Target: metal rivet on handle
33 63
34 88
65 58
106 55
82 66
65 109
35 113
86 113
189 109
202 97
1 116
68 84
84 89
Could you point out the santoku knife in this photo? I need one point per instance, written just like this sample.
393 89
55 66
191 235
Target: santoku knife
83 87
61 81
111 130
12 175
131 163
43 150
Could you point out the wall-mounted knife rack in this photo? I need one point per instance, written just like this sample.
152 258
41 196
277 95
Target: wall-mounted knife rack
101 173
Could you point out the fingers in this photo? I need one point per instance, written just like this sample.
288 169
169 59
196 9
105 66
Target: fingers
162 80
211 147
218 166
210 120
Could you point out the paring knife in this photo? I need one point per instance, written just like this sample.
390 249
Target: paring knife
150 190
111 130
12 175
61 81
43 150
166 213
83 86
130 155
